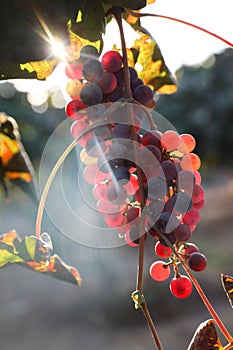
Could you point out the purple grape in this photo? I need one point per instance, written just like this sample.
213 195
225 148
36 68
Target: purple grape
167 222
122 130
183 233
143 94
168 170
92 70
121 174
107 82
157 188
88 51
91 94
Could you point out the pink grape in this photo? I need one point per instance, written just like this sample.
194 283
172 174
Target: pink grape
159 271
162 251
170 140
112 61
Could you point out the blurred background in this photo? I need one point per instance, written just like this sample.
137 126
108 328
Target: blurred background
41 312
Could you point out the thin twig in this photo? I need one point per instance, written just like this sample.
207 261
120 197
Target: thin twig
139 15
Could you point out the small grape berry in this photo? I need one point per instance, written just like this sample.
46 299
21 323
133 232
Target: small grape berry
181 286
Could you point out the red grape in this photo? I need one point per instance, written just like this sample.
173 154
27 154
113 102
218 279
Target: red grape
181 286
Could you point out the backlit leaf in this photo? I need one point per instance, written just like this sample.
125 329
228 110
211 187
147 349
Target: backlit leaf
42 69
151 66
35 253
205 337
227 282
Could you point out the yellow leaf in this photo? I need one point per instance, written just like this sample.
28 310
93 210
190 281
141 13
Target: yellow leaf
42 68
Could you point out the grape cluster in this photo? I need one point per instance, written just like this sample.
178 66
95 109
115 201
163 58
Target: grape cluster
93 81
116 149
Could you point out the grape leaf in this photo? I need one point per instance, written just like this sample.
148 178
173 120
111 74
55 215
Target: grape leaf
205 337
150 64
35 253
227 282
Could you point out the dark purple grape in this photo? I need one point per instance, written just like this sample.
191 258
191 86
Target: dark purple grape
121 174
107 82
157 188
185 180
122 130
143 94
182 202
92 70
197 261
133 76
183 233
167 222
155 209
151 138
136 84
88 51
91 94
168 170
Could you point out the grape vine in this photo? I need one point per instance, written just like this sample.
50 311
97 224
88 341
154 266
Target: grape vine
145 180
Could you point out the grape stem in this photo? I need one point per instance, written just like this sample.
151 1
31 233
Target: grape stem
139 15
116 11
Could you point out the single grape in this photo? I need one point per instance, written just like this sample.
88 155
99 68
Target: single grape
192 217
181 286
91 94
100 191
159 271
185 180
162 251
183 233
152 138
187 144
79 127
73 88
168 170
198 193
112 61
115 219
189 248
170 140
107 82
197 261
116 194
133 76
167 222
143 94
199 205
182 202
73 70
92 70
122 130
121 174
133 214
88 51
132 185
156 187
73 108
191 162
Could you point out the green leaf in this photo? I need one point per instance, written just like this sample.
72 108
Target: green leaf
227 282
205 337
35 253
91 21
130 4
